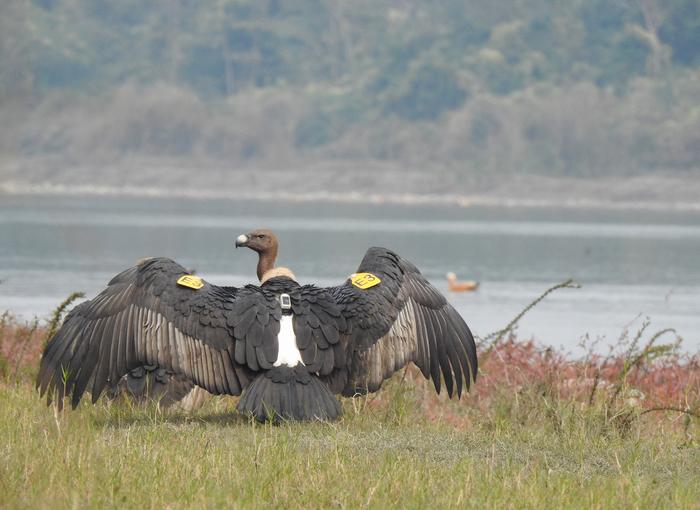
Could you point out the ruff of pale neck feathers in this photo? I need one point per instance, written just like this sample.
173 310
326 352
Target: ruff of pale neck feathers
278 271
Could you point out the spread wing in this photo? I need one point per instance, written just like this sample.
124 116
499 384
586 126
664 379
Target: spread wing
402 319
214 336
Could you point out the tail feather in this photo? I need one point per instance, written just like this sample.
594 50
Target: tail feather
285 393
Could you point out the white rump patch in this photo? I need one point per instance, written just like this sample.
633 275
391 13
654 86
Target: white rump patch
288 353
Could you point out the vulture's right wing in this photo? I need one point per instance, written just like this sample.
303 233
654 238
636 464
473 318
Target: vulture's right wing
214 336
403 318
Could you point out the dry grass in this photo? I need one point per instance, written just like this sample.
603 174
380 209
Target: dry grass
538 429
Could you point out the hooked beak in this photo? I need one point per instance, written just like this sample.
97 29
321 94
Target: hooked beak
242 240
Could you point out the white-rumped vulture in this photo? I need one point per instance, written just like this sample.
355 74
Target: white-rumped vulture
287 348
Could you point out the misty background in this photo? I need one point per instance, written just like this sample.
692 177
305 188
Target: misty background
518 143
520 98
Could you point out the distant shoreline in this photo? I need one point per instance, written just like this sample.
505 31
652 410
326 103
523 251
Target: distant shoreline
349 182
351 197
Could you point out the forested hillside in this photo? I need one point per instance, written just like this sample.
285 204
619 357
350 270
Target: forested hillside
483 89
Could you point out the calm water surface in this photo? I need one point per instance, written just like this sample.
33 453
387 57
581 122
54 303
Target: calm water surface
631 264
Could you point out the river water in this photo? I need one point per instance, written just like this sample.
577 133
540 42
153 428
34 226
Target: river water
631 264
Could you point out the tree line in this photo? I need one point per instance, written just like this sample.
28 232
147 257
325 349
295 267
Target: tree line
580 87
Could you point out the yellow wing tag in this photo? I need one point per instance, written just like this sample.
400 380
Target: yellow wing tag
364 280
191 281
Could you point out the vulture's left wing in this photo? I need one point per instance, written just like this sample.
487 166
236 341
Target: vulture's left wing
394 315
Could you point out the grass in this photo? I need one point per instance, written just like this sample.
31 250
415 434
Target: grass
538 430
107 456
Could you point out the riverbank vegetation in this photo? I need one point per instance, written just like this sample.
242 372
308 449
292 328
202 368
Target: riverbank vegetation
478 91
540 428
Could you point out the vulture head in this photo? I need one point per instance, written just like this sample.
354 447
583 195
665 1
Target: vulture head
265 243
260 240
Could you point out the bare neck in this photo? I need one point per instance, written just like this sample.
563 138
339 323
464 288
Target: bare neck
266 261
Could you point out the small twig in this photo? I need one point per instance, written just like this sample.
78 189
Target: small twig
596 382
57 314
633 345
636 362
498 335
403 377
650 349
674 409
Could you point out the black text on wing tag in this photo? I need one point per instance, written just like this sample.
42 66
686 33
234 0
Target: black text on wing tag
191 281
